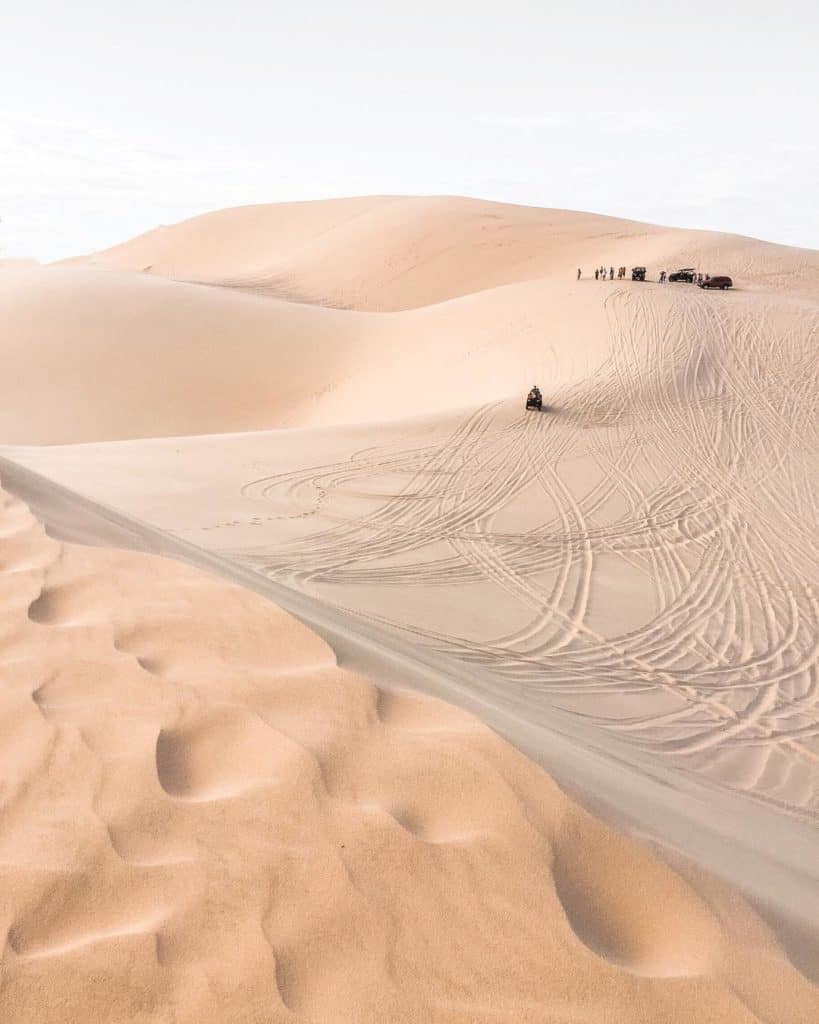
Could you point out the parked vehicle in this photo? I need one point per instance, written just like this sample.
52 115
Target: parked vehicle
722 282
534 400
686 274
638 273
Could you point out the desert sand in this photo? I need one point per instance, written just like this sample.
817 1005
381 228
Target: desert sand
473 300
204 816
324 402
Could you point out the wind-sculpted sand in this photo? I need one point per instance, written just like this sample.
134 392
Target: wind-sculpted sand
202 815
624 584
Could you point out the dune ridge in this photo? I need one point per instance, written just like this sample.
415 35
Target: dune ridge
202 809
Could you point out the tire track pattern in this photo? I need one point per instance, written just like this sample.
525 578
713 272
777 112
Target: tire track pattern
655 532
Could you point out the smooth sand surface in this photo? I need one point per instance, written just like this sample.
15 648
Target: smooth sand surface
204 817
633 569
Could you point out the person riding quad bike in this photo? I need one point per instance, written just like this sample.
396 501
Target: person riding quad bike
534 400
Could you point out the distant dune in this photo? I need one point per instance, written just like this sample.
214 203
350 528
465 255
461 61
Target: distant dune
393 253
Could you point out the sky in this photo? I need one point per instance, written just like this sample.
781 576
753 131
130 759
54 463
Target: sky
115 118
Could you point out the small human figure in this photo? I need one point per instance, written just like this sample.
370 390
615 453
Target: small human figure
578 273
597 274
611 273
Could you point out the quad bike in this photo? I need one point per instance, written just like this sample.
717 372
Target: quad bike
534 400
638 273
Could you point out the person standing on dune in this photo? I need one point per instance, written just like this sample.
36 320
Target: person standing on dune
578 273
596 275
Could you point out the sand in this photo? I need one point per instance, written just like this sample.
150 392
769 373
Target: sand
324 402
473 301
203 815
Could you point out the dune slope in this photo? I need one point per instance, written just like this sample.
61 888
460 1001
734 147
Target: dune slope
171 358
202 814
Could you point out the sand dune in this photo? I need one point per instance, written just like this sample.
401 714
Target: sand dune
202 813
641 556
176 358
393 253
485 296
203 809
168 358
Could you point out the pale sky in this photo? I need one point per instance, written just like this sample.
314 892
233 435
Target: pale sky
115 118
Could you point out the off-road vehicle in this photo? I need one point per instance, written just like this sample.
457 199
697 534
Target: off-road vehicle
717 282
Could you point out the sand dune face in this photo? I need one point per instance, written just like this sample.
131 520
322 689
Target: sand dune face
201 810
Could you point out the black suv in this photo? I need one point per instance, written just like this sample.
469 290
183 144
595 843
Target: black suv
686 274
